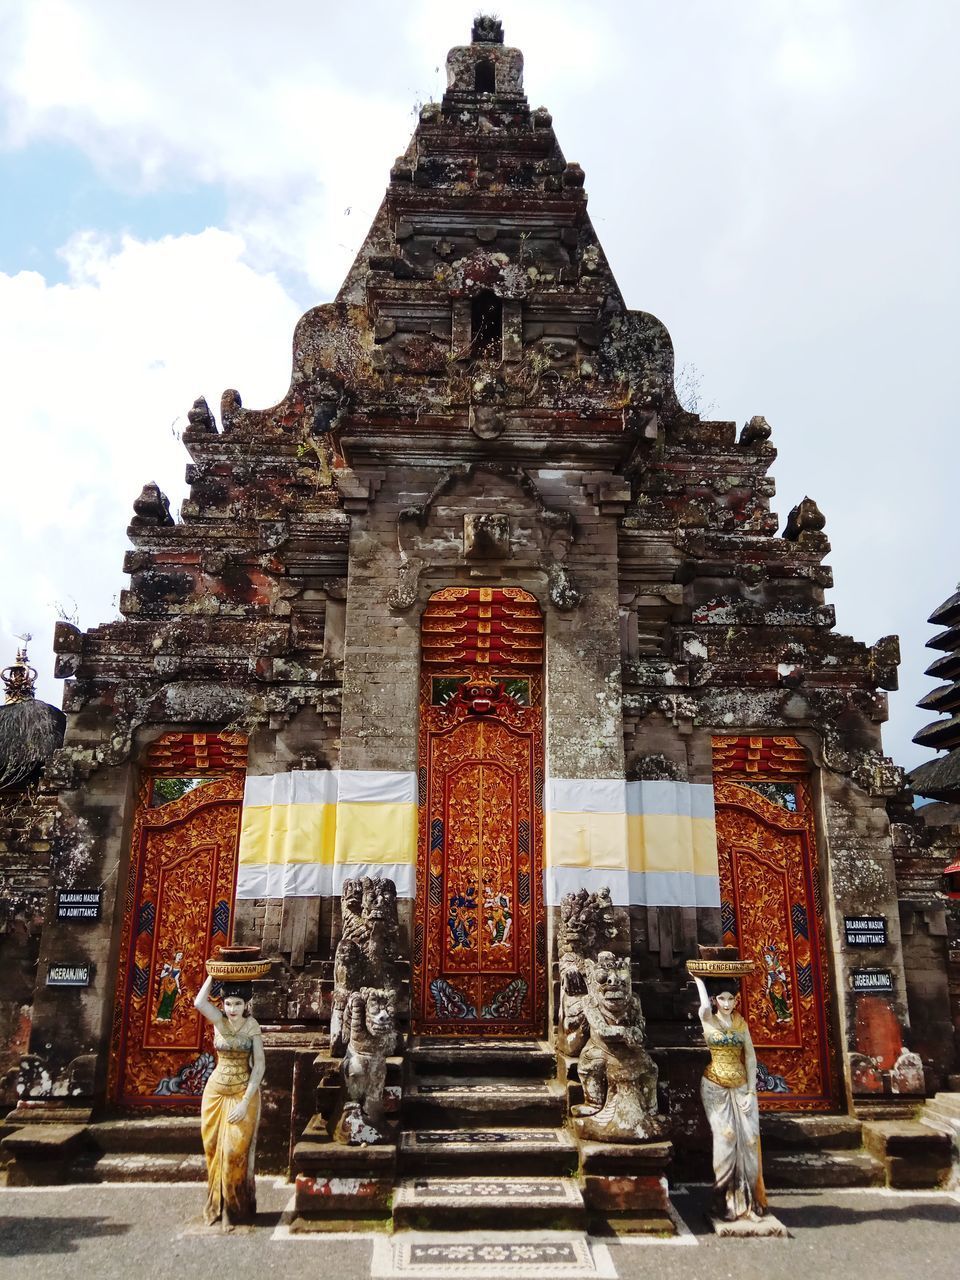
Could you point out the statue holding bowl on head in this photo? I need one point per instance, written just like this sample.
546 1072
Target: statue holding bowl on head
729 1092
230 1109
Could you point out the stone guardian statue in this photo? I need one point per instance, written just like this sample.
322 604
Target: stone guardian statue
370 1032
619 1077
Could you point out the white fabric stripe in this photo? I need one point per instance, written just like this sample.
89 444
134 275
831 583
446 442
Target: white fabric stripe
378 786
585 795
673 889
693 799
403 875
634 888
614 795
310 880
291 880
301 786
562 880
327 786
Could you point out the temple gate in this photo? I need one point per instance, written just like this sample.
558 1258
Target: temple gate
178 907
479 945
771 909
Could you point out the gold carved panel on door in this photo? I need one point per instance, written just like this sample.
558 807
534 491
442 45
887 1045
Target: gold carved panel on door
479 937
771 909
178 908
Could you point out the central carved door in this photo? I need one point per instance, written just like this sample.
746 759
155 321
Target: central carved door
479 937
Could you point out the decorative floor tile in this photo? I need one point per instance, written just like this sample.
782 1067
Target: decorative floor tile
481 1137
484 1088
492 1256
558 1191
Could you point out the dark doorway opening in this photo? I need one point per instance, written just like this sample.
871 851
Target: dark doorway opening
486 326
485 77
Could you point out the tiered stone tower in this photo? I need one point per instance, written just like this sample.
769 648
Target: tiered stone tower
479 522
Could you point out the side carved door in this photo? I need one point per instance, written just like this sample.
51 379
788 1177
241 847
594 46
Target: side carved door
771 909
178 907
479 937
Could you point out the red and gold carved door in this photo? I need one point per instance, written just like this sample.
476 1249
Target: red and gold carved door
771 909
178 907
479 937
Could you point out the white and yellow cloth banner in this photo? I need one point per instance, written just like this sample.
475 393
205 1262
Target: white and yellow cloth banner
304 833
653 843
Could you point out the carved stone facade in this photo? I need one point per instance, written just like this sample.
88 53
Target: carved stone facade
479 408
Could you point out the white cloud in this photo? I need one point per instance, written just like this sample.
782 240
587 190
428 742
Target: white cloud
773 178
99 373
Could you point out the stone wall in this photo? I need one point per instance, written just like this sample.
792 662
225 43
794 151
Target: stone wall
28 834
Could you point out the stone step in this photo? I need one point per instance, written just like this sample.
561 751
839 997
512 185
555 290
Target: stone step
512 1203
453 1102
809 1132
913 1154
41 1154
153 1135
821 1169
138 1167
494 1152
458 1057
942 1122
945 1104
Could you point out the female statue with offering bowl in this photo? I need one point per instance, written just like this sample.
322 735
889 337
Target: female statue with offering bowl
729 1093
230 1109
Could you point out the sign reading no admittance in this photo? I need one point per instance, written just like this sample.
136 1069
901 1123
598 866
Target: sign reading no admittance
79 904
865 931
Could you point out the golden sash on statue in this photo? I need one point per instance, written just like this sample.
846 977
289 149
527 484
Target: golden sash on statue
726 1065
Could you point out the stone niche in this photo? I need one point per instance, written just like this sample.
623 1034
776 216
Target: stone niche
486 536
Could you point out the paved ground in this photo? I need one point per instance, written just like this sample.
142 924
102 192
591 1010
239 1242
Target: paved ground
145 1232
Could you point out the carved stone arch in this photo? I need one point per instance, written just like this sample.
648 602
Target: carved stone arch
559 534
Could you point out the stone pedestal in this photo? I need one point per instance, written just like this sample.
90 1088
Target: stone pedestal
625 1186
767 1227
340 1187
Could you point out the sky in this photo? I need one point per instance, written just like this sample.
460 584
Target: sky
777 180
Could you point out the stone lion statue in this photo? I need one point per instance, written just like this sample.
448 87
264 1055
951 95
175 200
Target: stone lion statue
619 1077
586 923
370 1031
367 952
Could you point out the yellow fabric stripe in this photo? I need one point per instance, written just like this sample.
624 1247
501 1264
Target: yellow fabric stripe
371 832
586 839
282 833
328 833
635 842
672 842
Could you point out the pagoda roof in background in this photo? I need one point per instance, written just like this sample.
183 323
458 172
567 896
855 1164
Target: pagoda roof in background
940 779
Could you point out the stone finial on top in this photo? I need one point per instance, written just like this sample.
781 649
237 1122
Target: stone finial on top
200 418
487 29
806 517
19 679
756 431
151 508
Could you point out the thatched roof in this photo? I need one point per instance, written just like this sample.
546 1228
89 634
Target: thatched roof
939 779
29 732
